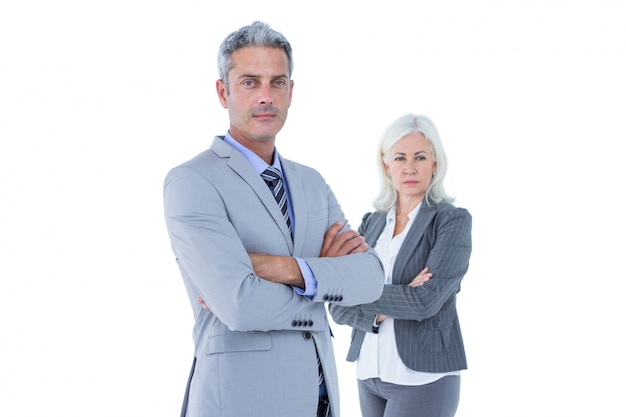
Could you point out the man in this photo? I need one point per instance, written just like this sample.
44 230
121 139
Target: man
262 251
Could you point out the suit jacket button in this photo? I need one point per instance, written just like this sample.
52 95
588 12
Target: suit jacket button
340 298
294 323
310 323
325 298
299 323
307 335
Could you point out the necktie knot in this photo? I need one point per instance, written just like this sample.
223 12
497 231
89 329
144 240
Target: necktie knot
271 176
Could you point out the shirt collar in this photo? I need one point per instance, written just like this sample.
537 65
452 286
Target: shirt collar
258 163
391 215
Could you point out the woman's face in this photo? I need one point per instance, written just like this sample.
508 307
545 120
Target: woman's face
411 166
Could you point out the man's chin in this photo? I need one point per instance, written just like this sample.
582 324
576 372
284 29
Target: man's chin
268 132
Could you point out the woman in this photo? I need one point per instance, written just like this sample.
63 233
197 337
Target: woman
408 343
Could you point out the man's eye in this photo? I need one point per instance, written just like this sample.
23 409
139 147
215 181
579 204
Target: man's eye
280 83
248 83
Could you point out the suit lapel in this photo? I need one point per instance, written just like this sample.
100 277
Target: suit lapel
238 163
424 217
297 199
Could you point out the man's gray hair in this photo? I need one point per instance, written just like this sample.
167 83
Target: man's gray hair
256 34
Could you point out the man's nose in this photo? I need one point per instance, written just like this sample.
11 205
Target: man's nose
266 97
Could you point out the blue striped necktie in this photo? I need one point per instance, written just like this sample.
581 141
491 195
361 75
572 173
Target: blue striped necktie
274 181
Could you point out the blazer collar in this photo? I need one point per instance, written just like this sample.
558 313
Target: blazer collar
298 201
238 163
424 217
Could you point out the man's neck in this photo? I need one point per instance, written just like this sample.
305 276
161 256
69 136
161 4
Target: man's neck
264 148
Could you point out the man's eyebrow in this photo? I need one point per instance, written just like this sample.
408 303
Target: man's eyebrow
258 76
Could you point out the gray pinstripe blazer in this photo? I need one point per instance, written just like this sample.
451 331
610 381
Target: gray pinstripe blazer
428 334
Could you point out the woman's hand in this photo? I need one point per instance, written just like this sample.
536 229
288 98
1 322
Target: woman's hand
421 278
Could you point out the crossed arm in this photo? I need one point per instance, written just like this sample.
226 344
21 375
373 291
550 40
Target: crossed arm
285 269
420 279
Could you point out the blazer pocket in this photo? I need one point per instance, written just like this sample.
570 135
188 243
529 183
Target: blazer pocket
238 342
434 337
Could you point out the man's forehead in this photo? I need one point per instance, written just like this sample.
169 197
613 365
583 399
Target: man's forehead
260 61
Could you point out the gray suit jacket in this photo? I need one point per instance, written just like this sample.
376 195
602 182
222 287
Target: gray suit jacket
428 334
256 349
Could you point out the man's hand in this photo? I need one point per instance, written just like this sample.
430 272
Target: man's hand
340 244
285 269
204 305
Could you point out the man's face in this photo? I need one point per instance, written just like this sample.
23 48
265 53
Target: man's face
259 93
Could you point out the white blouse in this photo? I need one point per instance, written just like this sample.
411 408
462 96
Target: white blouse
379 356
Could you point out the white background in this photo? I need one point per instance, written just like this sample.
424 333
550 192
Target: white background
98 99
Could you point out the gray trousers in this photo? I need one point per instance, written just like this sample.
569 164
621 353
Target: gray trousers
437 399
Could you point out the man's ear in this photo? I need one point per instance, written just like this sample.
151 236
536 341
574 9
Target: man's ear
222 93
